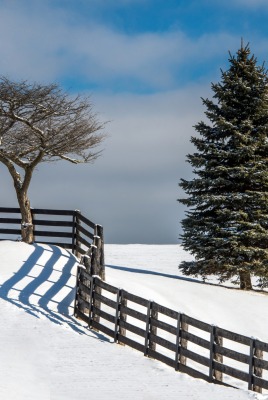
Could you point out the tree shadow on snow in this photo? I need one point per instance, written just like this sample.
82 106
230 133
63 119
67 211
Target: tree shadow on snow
178 277
148 272
40 294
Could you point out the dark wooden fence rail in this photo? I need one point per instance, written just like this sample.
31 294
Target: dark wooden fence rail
182 342
66 228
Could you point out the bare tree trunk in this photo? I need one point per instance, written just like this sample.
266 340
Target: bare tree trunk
21 185
27 233
245 280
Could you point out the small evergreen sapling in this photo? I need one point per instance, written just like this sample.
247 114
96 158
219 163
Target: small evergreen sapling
226 225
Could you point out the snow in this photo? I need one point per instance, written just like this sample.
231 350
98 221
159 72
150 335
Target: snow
47 354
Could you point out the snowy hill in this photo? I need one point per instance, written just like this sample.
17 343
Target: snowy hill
48 354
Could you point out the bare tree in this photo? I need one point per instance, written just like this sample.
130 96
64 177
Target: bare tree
41 123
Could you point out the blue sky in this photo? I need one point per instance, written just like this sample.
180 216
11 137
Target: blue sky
145 64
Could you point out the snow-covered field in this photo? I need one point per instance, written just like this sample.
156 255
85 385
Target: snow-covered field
46 354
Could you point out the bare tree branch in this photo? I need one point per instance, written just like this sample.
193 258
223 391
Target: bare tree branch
41 123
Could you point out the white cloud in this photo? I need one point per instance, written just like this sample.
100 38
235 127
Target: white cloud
41 43
135 182
134 185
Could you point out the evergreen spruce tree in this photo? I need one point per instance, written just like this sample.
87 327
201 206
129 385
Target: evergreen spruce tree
226 224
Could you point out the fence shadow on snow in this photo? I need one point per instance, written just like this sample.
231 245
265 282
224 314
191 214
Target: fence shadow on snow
178 340
44 284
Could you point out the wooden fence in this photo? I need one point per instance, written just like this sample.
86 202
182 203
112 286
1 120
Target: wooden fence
66 228
184 343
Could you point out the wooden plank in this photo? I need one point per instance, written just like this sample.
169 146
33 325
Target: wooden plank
164 310
235 355
103 314
83 272
192 372
53 234
43 222
9 210
260 382
260 363
105 300
163 342
161 357
10 231
232 336
164 326
51 212
106 286
81 315
261 345
82 241
10 221
130 343
102 328
132 328
80 228
133 313
135 299
196 323
85 220
195 339
234 372
195 357
82 301
79 249
84 288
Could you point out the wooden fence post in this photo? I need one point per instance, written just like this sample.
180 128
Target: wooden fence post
218 340
183 342
33 222
76 289
91 297
73 232
99 233
211 352
77 222
94 260
96 303
96 265
153 329
214 339
257 371
177 342
122 316
251 361
117 314
86 260
147 329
